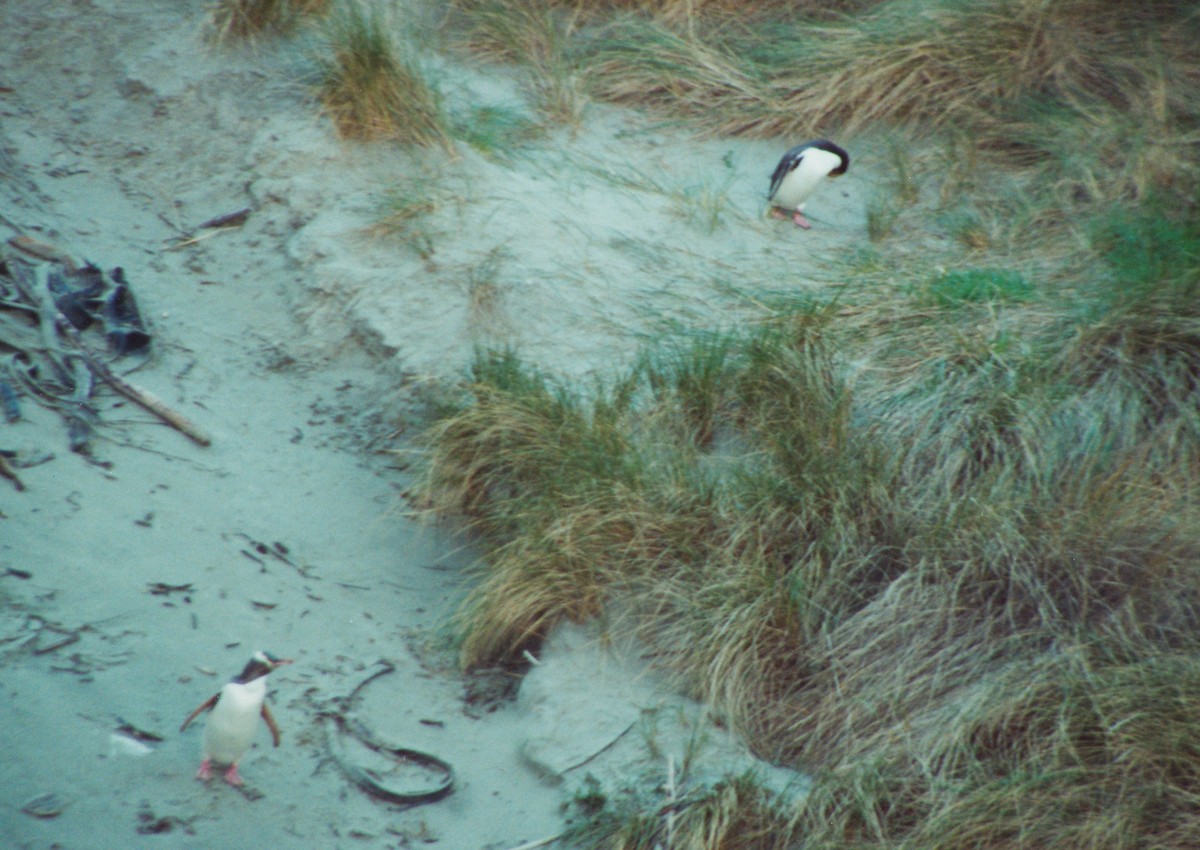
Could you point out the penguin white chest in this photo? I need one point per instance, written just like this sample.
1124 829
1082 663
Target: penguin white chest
233 721
798 185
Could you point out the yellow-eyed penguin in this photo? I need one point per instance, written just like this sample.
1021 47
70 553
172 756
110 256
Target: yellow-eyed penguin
231 725
800 172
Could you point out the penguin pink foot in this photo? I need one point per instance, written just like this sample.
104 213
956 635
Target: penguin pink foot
233 778
800 220
205 772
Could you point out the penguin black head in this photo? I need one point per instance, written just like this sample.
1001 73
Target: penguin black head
260 665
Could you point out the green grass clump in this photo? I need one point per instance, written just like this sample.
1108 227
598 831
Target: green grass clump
374 88
966 286
496 131
1136 341
1150 251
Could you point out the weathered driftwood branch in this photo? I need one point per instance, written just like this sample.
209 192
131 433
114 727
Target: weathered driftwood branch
151 402
145 398
75 363
42 251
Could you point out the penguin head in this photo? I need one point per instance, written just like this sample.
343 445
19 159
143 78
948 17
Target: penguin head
835 149
260 664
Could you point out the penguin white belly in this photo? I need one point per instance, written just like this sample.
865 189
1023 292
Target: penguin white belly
233 721
798 184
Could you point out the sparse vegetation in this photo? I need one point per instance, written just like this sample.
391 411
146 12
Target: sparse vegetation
483 286
1096 100
374 88
535 34
240 20
404 213
496 131
703 204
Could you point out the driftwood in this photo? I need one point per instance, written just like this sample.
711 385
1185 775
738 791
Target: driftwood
7 471
232 219
142 397
67 368
42 251
215 225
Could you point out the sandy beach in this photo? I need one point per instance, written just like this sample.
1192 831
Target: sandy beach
134 582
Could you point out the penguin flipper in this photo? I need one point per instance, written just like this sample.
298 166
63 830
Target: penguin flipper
204 706
787 164
271 724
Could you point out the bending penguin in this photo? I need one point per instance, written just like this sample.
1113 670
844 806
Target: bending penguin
233 721
800 172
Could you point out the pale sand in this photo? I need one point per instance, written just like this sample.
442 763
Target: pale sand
294 340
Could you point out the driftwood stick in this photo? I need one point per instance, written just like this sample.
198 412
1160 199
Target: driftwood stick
42 251
52 319
192 240
228 219
7 471
145 398
152 403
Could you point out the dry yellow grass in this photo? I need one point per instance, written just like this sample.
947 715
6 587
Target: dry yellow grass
960 591
239 20
371 83
950 595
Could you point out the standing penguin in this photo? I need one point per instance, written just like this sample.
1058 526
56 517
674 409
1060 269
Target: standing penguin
230 728
800 172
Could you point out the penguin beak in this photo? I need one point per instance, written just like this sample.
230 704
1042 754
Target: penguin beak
279 662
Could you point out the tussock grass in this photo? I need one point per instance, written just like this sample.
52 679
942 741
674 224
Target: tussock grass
373 86
535 34
517 436
241 20
648 62
938 545
736 812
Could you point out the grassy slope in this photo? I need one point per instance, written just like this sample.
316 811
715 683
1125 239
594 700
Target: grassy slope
936 543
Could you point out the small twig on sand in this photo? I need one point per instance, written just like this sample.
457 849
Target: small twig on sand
42 251
7 471
151 402
175 246
227 220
